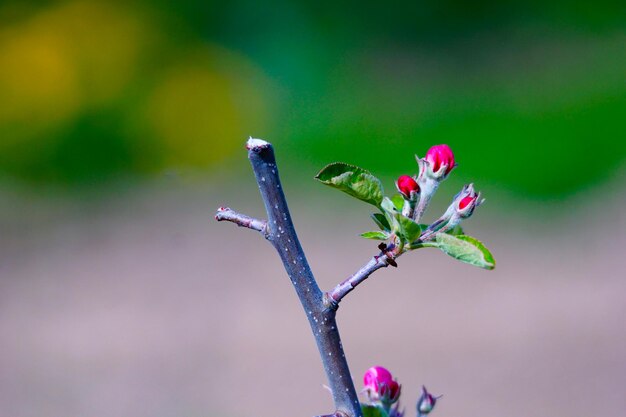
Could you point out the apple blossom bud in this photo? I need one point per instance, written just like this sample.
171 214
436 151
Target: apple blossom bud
389 393
467 200
376 375
381 387
440 157
461 208
463 204
408 187
426 402
433 169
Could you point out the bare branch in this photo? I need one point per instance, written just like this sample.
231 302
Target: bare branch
279 230
230 215
386 257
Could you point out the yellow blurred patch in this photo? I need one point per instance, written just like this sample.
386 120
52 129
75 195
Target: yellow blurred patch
38 82
66 58
204 107
107 41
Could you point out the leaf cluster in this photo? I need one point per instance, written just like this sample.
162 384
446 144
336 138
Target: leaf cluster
393 225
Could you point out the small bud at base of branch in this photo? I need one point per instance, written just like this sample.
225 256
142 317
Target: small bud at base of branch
426 402
380 386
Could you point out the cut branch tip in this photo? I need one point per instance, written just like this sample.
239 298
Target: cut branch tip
219 213
256 145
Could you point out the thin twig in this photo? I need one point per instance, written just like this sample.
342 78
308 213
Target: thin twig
385 258
388 255
230 215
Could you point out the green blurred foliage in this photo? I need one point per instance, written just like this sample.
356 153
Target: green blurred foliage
524 92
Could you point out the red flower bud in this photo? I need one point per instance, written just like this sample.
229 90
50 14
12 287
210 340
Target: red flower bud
466 201
407 185
375 375
440 155
380 385
389 393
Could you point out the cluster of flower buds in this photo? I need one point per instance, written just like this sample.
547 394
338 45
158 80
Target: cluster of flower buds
462 207
426 403
384 391
417 191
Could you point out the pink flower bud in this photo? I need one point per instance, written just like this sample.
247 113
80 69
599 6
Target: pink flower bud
374 376
467 200
440 156
426 402
406 186
389 393
381 386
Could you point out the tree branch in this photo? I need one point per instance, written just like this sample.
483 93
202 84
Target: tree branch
230 215
279 230
385 258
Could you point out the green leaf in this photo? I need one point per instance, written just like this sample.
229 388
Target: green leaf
381 221
410 230
373 411
377 235
406 229
466 249
388 206
354 181
391 214
398 201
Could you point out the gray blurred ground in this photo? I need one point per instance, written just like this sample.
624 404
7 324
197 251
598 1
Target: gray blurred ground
140 305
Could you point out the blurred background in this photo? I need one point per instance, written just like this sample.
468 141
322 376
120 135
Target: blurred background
122 129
